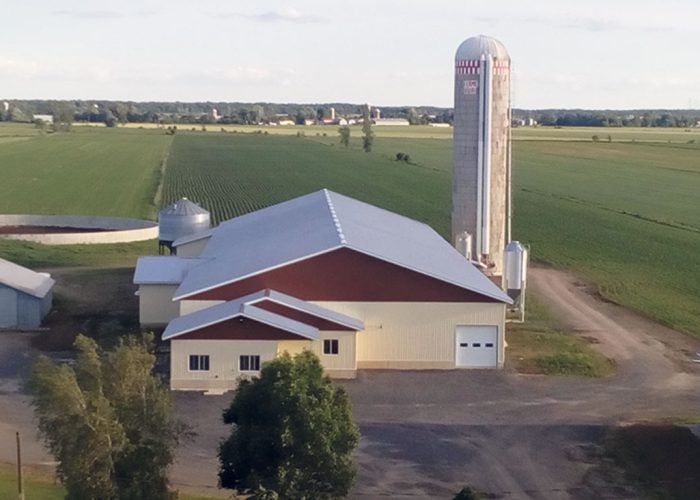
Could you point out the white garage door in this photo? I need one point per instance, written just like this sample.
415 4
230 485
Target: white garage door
477 346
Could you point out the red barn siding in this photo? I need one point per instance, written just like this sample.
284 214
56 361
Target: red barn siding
347 275
300 316
235 329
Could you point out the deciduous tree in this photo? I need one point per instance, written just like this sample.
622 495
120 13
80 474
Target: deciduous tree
344 133
292 434
108 421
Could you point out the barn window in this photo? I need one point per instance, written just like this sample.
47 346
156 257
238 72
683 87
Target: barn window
249 363
330 346
199 362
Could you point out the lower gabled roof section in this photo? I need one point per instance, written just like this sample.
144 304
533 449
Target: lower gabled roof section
296 308
240 308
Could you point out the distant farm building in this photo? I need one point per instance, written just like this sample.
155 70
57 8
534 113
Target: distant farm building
391 121
25 296
44 118
360 286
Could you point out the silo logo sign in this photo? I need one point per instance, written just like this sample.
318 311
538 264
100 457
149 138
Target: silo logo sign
470 86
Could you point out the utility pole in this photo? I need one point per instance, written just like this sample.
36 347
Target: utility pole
20 482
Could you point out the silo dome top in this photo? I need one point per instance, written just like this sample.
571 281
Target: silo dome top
473 48
183 207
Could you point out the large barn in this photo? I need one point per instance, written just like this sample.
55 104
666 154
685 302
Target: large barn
25 296
360 286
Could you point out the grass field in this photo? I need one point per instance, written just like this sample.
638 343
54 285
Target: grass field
40 485
92 171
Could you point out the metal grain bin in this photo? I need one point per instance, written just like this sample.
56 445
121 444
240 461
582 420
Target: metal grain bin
182 218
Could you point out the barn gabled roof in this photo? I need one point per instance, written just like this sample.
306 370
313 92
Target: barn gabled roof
25 280
321 222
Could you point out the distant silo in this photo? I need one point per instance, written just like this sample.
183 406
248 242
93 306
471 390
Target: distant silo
182 218
481 154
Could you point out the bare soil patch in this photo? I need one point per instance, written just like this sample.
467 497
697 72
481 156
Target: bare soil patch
98 302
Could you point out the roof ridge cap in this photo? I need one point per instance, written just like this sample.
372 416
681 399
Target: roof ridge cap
334 216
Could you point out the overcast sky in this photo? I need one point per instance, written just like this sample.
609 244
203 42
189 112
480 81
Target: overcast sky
565 53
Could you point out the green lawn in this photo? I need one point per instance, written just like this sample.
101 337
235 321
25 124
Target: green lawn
540 347
40 485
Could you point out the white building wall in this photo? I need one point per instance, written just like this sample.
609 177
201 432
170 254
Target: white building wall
190 306
193 248
156 306
223 355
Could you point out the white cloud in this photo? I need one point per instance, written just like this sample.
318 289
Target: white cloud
287 14
99 14
12 68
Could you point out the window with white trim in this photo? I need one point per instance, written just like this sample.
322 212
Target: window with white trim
330 346
199 362
249 363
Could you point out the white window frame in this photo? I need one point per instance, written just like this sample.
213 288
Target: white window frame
337 347
250 358
199 357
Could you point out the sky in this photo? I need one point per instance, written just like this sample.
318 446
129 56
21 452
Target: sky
598 54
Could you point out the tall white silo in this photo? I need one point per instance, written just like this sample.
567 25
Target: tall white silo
481 152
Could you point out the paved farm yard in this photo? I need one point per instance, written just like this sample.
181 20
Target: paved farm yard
425 434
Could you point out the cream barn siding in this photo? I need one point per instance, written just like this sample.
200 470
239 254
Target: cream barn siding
190 306
192 248
293 347
223 362
341 365
156 306
416 335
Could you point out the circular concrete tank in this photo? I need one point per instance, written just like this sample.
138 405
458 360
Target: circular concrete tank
75 229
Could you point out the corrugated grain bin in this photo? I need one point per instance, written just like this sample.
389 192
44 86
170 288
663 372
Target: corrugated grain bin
182 218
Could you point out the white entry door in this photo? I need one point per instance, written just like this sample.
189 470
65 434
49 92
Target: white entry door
476 346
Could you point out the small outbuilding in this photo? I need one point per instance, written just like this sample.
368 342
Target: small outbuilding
25 296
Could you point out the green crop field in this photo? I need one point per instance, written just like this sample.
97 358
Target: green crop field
87 171
231 174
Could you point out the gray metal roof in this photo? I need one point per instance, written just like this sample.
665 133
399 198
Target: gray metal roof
321 222
473 48
163 270
234 309
25 280
193 237
183 207
309 308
